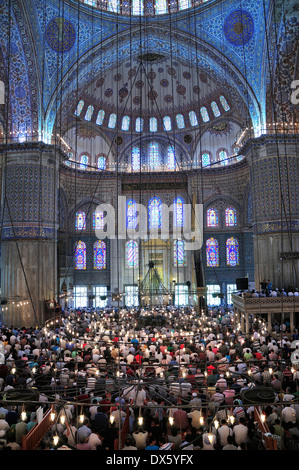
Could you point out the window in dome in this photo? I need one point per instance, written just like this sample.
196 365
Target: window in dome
193 118
224 103
89 113
80 255
93 3
171 158
80 223
212 252
167 123
184 4
180 121
205 159
223 157
99 255
161 7
155 213
178 212
215 109
139 124
102 162
153 156
136 159
204 114
98 220
137 7
212 218
125 123
230 217
84 161
79 108
153 124
131 254
112 121
100 117
179 253
232 252
113 5
131 214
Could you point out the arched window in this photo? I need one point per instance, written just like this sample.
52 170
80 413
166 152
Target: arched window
180 121
153 124
79 108
223 157
193 118
230 217
184 4
80 223
98 220
212 218
171 158
155 213
179 253
224 103
205 159
215 109
102 162
113 5
139 125
232 252
204 114
131 254
161 7
167 123
153 155
178 212
131 214
84 161
125 123
212 252
112 121
136 159
100 117
80 255
89 113
137 7
99 255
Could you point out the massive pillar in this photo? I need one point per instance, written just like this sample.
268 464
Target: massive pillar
29 232
274 173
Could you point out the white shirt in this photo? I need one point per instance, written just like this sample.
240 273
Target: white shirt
240 432
223 432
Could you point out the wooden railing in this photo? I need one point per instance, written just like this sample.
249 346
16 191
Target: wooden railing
270 443
34 437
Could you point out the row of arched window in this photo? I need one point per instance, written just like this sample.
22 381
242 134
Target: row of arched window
168 124
212 252
230 217
140 7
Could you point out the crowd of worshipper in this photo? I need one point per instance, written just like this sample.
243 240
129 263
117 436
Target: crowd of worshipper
149 379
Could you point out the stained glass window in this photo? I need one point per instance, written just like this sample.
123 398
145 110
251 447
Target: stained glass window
232 252
137 7
161 7
204 114
79 108
170 158
184 4
139 125
167 123
125 123
180 121
178 212
212 252
224 103
155 213
230 217
153 124
153 155
223 157
193 118
212 218
136 159
179 253
80 223
113 5
131 214
112 121
89 113
80 255
205 159
100 117
131 254
99 255
215 109
84 162
98 220
102 162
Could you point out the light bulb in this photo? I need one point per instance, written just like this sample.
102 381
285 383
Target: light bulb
23 416
171 421
55 440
